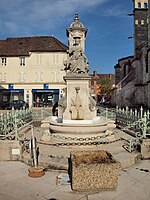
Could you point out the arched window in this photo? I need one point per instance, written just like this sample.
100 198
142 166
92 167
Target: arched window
139 5
124 71
142 22
146 63
145 5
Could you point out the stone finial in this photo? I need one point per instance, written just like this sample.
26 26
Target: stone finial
76 18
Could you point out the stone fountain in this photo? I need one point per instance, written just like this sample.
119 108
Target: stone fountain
77 109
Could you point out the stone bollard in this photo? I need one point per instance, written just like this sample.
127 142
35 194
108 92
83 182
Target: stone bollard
93 171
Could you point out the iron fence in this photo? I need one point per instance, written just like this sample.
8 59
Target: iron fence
136 122
12 121
40 114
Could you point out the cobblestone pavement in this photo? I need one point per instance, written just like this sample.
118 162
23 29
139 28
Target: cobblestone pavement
15 184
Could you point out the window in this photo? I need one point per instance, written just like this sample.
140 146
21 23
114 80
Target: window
55 58
21 78
142 22
22 61
139 5
55 77
3 61
124 71
146 63
145 5
136 22
39 76
39 59
3 77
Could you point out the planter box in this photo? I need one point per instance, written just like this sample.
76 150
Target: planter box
93 170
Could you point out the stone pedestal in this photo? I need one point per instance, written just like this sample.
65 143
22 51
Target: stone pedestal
145 148
78 93
10 150
93 171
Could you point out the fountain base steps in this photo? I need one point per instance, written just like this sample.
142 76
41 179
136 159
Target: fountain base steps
54 156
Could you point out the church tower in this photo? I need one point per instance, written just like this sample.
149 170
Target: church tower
140 25
76 30
149 24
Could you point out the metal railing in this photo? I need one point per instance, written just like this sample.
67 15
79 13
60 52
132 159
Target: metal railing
109 113
40 114
12 121
136 122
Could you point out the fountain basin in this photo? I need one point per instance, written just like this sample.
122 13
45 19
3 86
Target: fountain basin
95 126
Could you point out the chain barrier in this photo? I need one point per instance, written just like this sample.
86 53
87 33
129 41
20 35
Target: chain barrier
80 139
79 143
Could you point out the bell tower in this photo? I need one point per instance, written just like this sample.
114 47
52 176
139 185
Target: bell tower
140 25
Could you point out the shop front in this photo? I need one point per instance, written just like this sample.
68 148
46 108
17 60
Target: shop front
44 97
8 95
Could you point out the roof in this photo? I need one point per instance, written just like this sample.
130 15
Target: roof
22 46
101 76
126 58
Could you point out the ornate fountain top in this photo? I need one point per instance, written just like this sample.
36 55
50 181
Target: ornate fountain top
76 23
76 62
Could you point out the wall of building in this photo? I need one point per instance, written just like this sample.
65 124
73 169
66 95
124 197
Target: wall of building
39 69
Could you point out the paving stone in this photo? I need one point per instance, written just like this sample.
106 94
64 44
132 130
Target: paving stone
133 184
7 197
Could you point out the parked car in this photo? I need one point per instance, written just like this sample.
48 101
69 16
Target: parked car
16 104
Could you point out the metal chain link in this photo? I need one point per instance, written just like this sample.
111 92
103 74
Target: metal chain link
80 139
79 143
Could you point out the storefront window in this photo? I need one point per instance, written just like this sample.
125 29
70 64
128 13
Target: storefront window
11 94
45 98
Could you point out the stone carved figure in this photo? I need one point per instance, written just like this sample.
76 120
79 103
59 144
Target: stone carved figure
62 104
77 61
92 104
77 112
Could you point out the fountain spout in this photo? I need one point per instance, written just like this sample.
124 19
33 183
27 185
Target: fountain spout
76 110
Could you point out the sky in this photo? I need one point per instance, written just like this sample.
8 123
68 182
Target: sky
107 21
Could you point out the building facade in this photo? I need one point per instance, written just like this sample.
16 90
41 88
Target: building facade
31 69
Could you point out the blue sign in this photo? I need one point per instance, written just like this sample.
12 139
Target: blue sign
12 90
18 91
10 86
46 91
45 86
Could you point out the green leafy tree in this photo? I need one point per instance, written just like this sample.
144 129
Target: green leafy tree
105 86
